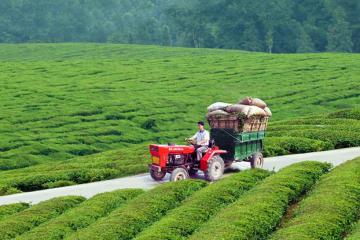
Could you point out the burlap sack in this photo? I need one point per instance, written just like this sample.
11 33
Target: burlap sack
253 102
259 103
238 108
217 113
246 101
217 106
256 111
268 112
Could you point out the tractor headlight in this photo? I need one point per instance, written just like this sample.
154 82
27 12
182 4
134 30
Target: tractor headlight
155 160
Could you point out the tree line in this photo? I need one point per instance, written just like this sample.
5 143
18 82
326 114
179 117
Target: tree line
280 26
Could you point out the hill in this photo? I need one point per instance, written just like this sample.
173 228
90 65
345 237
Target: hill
307 200
62 103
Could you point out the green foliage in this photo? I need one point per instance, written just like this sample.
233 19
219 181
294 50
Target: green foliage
60 183
127 221
79 170
339 138
23 221
82 216
346 113
339 35
275 146
330 209
271 26
335 130
116 99
256 214
355 234
7 210
184 220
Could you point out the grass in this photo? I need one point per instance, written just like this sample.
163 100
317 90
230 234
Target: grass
73 113
256 214
24 221
330 209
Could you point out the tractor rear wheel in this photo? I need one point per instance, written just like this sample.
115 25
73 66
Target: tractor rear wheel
215 169
179 174
257 160
157 176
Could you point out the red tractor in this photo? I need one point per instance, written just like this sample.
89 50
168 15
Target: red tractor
180 161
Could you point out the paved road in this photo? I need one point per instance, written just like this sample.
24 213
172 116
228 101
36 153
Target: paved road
144 181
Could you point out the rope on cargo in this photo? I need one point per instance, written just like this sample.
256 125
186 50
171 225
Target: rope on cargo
229 134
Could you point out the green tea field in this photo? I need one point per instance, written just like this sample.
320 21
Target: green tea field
76 113
308 200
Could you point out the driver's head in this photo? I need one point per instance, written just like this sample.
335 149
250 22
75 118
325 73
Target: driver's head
201 125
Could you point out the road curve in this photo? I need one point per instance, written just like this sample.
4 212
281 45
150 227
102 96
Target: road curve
144 181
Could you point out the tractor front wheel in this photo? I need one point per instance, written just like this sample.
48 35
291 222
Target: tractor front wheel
179 174
257 160
157 176
215 169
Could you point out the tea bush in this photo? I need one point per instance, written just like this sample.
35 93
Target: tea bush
275 146
94 108
346 113
127 221
23 221
256 214
330 209
355 234
82 216
338 138
97 167
184 220
7 210
337 130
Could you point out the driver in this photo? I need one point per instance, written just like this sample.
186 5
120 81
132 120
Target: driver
201 140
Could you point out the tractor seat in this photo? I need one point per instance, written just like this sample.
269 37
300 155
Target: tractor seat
211 143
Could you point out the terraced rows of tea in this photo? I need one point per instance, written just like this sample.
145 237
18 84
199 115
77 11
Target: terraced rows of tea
307 200
74 113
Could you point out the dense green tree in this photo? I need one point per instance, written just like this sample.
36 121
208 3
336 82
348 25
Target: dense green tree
339 34
305 43
254 25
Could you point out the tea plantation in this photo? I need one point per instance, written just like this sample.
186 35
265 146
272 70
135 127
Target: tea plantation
307 200
75 113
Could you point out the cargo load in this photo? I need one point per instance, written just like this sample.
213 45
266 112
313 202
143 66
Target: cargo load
217 106
249 115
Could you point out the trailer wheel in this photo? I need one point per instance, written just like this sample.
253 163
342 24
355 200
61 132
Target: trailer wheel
257 160
215 169
157 176
179 174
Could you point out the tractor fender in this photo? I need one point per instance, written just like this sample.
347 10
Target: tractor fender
209 154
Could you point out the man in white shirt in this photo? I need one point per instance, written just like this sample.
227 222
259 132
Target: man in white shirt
201 140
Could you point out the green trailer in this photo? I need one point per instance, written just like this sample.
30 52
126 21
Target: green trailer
243 146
